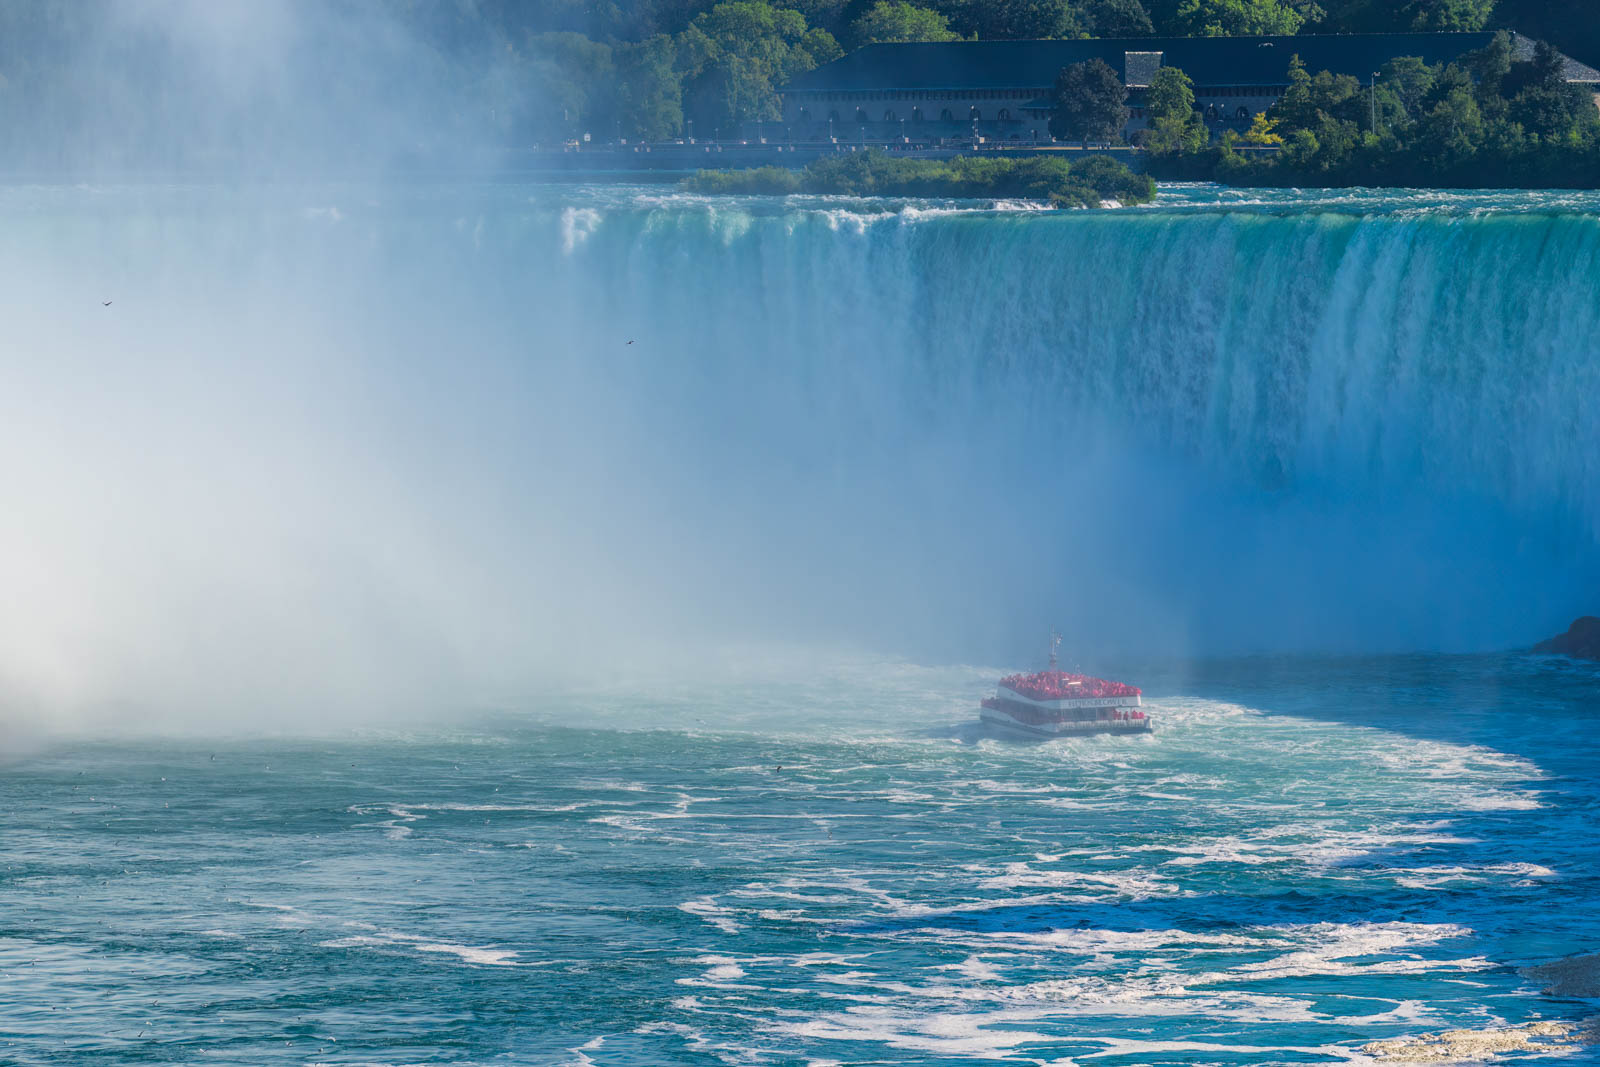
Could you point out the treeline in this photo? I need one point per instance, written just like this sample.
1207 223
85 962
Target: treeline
1574 26
518 72
660 68
1488 119
1088 182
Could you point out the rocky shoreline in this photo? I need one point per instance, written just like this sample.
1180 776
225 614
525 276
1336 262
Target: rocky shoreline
1582 640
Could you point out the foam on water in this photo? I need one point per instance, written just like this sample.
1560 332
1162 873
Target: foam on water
414 463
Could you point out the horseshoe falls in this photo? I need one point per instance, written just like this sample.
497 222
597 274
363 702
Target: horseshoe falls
543 623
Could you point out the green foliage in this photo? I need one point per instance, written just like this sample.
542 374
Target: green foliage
649 89
766 181
1237 18
1085 183
895 20
1026 20
1389 16
735 57
1175 126
1447 15
1118 18
1486 120
554 69
1263 132
573 78
1406 82
1171 94
1090 103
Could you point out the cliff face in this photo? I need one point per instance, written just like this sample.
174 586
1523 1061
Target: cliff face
1582 640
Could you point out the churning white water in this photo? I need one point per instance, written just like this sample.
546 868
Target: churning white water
376 445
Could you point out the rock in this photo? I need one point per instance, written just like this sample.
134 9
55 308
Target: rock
1582 640
1474 1046
1574 976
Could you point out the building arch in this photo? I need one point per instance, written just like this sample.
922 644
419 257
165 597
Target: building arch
946 116
833 116
1005 114
916 114
1242 114
861 114
974 114
888 116
805 114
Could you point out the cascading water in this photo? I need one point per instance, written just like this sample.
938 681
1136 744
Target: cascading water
1196 429
441 449
320 430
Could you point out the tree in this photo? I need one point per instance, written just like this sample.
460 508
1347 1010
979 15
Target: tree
1024 20
1331 108
1543 101
734 58
1175 126
887 21
1447 135
1090 103
649 89
1444 15
1490 66
1237 18
1388 16
1263 131
1300 151
1171 94
1118 18
1310 99
1572 27
1409 81
572 79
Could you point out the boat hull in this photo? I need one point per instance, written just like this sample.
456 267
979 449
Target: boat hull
1052 728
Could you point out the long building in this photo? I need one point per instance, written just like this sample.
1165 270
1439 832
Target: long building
1001 90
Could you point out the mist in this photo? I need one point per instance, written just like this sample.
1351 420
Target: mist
357 452
330 448
252 89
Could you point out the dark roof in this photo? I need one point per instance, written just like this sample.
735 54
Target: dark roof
1522 48
1208 60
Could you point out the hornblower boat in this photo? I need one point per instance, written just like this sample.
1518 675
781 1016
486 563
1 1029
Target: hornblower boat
1054 703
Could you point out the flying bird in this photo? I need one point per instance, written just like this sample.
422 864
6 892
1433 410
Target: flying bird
107 303
630 342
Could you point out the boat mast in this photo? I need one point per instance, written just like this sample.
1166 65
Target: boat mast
1055 643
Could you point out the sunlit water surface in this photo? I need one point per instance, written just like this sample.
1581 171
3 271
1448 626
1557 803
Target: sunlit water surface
433 446
1307 855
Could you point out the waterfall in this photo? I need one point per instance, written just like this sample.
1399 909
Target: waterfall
456 432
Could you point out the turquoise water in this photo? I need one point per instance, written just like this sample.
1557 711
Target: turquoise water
504 624
1306 856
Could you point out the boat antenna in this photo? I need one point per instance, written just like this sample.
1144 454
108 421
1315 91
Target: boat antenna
1055 643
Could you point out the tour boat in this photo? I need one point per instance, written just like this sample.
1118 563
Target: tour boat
1054 703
